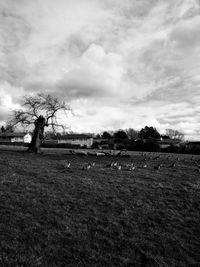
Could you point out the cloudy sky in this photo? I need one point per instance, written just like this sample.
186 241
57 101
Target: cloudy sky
119 64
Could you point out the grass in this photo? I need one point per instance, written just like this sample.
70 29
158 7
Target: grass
51 216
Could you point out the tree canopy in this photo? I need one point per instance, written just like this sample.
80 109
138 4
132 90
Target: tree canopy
35 106
149 132
106 135
174 134
40 110
120 134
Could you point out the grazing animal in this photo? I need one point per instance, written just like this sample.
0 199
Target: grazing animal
131 168
157 167
88 166
115 164
119 167
67 165
172 165
129 165
110 165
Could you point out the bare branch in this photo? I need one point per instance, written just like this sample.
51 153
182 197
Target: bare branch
41 104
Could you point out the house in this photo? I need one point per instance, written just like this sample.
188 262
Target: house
82 140
193 145
15 137
165 143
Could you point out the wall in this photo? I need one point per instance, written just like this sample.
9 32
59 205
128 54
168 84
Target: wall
27 138
82 142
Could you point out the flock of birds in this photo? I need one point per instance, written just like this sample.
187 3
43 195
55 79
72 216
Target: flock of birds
115 165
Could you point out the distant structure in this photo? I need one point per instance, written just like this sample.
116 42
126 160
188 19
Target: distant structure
15 137
83 140
165 143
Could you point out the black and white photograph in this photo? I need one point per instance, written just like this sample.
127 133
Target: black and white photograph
100 133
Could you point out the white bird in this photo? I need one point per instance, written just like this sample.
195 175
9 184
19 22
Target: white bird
110 165
89 165
119 167
129 165
157 167
131 168
67 165
173 165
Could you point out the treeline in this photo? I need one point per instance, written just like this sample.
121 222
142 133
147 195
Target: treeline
147 139
148 132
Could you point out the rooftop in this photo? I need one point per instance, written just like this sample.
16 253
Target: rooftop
12 134
75 136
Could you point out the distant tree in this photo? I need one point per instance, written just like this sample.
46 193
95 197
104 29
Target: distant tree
174 134
52 135
106 135
98 136
9 128
165 137
120 134
148 132
131 133
3 129
41 111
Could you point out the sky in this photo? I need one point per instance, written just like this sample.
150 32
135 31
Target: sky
119 64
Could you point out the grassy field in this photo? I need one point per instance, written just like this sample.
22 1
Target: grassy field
52 216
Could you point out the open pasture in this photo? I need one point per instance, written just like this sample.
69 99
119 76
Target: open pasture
53 215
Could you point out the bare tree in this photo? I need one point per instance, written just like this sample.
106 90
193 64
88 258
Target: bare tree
41 111
174 134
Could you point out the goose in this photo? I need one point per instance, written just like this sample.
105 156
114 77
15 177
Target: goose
157 167
67 165
131 168
87 166
172 165
119 167
110 165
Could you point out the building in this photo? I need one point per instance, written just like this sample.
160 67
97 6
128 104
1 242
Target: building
82 140
193 146
15 137
165 143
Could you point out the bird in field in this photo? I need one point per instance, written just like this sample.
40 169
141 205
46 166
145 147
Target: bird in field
157 167
172 165
88 166
119 167
131 168
67 165
115 164
93 164
145 166
110 165
129 164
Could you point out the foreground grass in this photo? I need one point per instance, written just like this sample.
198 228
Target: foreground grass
50 216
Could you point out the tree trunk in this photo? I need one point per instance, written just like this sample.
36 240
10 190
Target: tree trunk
38 135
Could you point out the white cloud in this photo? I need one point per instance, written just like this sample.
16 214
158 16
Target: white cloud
119 63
